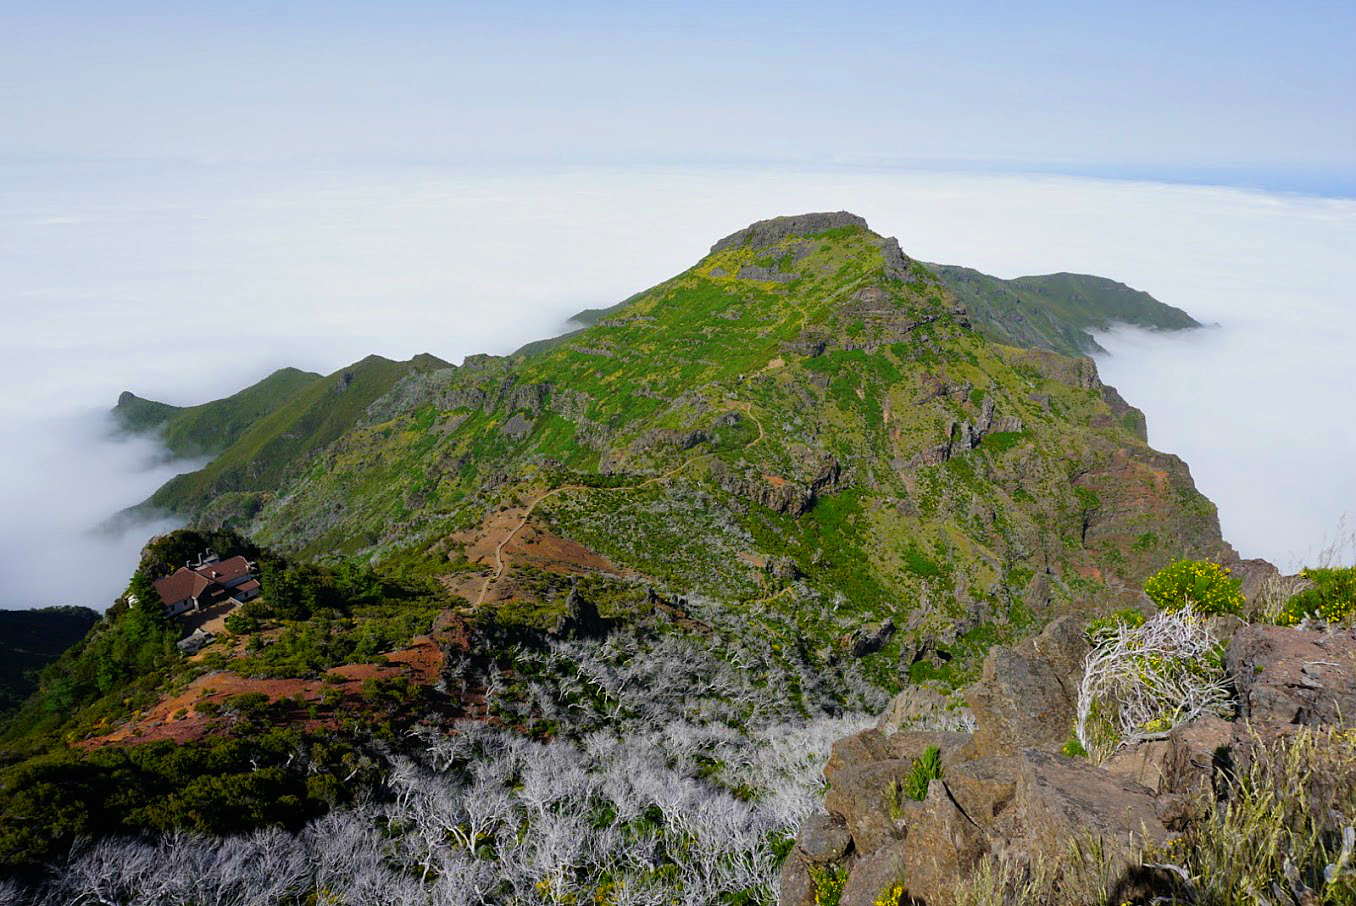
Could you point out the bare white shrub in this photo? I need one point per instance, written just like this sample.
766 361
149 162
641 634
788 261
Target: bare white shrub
1141 681
681 753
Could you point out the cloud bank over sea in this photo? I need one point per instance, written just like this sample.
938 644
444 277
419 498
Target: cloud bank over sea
187 282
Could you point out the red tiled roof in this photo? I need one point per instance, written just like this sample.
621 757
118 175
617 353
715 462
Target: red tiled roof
191 583
226 570
180 584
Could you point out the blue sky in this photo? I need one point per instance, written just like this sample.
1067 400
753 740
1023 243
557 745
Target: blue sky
1239 93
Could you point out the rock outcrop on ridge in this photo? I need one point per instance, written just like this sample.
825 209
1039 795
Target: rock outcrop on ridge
1006 791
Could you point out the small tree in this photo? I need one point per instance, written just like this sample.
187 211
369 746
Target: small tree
147 598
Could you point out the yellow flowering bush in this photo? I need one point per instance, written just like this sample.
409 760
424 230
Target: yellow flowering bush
892 897
1205 587
829 884
1331 598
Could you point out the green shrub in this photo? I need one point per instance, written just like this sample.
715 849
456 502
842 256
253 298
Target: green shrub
218 786
1205 587
248 703
1073 748
926 768
1103 626
1331 598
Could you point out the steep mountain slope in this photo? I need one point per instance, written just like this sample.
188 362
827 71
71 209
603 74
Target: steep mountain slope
805 422
1055 311
262 432
1050 311
577 625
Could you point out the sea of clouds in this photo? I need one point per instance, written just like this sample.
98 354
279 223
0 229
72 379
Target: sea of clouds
186 282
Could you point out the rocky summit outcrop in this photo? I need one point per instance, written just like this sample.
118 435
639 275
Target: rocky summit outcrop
1006 791
769 232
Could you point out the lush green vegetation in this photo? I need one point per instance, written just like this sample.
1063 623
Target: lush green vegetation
117 667
925 769
165 553
812 489
716 422
264 776
260 434
1331 597
211 427
252 771
1056 311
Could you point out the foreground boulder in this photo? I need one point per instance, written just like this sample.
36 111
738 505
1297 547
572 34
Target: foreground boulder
1291 676
1025 696
1007 792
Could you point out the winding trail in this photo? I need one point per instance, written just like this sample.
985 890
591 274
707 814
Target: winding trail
500 565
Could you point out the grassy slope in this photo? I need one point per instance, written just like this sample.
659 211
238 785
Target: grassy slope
136 415
1056 311
260 451
209 428
30 640
1049 311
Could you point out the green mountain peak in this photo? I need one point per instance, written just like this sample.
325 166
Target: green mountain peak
806 394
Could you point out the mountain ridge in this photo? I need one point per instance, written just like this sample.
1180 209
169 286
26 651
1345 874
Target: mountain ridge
809 312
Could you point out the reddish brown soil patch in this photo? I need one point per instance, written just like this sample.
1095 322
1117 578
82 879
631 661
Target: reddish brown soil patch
541 549
421 663
527 546
479 544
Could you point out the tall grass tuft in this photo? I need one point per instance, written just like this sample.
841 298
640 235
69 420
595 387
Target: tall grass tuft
1283 835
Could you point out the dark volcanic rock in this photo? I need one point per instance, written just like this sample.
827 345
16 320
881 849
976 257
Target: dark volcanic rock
896 262
517 427
1060 800
1290 676
1198 753
857 749
866 798
870 638
580 619
797 887
823 839
1005 793
942 847
873 878
982 788
1025 696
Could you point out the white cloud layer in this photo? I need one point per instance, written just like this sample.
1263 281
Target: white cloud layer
187 283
